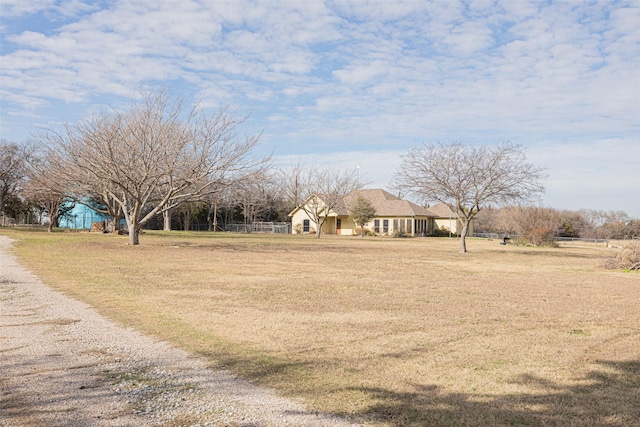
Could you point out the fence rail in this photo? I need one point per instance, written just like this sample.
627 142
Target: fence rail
557 239
260 227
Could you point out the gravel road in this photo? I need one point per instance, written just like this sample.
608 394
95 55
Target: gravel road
62 364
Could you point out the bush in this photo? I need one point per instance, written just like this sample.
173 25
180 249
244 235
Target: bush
357 231
627 259
443 233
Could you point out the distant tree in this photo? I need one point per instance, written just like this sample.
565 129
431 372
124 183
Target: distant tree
573 224
214 201
614 224
317 190
48 184
189 211
13 167
252 197
533 225
486 220
633 229
362 212
467 178
154 156
18 209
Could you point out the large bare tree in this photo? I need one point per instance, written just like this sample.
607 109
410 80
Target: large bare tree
468 178
318 190
155 156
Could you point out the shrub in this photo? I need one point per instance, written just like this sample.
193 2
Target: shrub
398 233
443 233
627 259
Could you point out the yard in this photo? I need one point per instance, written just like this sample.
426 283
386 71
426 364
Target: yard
392 332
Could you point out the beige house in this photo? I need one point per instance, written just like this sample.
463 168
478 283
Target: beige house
446 221
393 215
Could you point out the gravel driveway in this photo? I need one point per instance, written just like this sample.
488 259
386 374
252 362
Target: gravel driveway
62 364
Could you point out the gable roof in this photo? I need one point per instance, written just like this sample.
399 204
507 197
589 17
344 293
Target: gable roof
442 211
385 204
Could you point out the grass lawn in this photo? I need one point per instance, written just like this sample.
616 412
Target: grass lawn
392 332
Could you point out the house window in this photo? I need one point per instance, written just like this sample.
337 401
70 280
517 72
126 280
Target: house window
395 225
409 226
376 226
385 225
305 226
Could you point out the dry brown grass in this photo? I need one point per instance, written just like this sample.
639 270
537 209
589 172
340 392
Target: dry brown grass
391 331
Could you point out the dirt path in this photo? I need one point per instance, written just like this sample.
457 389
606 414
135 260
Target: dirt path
62 364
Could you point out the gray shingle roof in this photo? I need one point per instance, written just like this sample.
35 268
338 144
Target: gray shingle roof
442 211
385 204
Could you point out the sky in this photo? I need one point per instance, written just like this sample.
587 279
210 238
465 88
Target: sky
353 84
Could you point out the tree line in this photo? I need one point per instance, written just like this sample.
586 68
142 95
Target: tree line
543 225
159 159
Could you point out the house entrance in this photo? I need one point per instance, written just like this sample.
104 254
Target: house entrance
338 226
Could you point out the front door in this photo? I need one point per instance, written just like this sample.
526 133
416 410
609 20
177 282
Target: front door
338 226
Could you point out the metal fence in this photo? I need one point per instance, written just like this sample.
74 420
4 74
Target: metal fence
557 239
260 227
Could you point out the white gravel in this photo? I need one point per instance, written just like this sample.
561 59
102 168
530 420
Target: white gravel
62 364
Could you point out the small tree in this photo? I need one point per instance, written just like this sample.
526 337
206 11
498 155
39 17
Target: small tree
362 212
468 178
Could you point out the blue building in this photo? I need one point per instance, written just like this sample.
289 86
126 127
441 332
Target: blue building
81 217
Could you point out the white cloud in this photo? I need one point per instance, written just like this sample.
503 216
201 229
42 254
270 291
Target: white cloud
340 76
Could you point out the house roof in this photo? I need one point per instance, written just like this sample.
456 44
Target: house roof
385 204
442 211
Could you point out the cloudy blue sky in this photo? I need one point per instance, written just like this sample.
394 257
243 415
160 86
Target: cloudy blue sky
353 83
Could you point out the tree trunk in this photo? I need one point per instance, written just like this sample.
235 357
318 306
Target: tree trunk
166 217
134 237
215 217
53 217
113 221
209 217
463 236
134 231
187 220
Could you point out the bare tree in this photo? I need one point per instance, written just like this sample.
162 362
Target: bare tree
48 184
13 169
154 156
318 190
468 178
533 225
